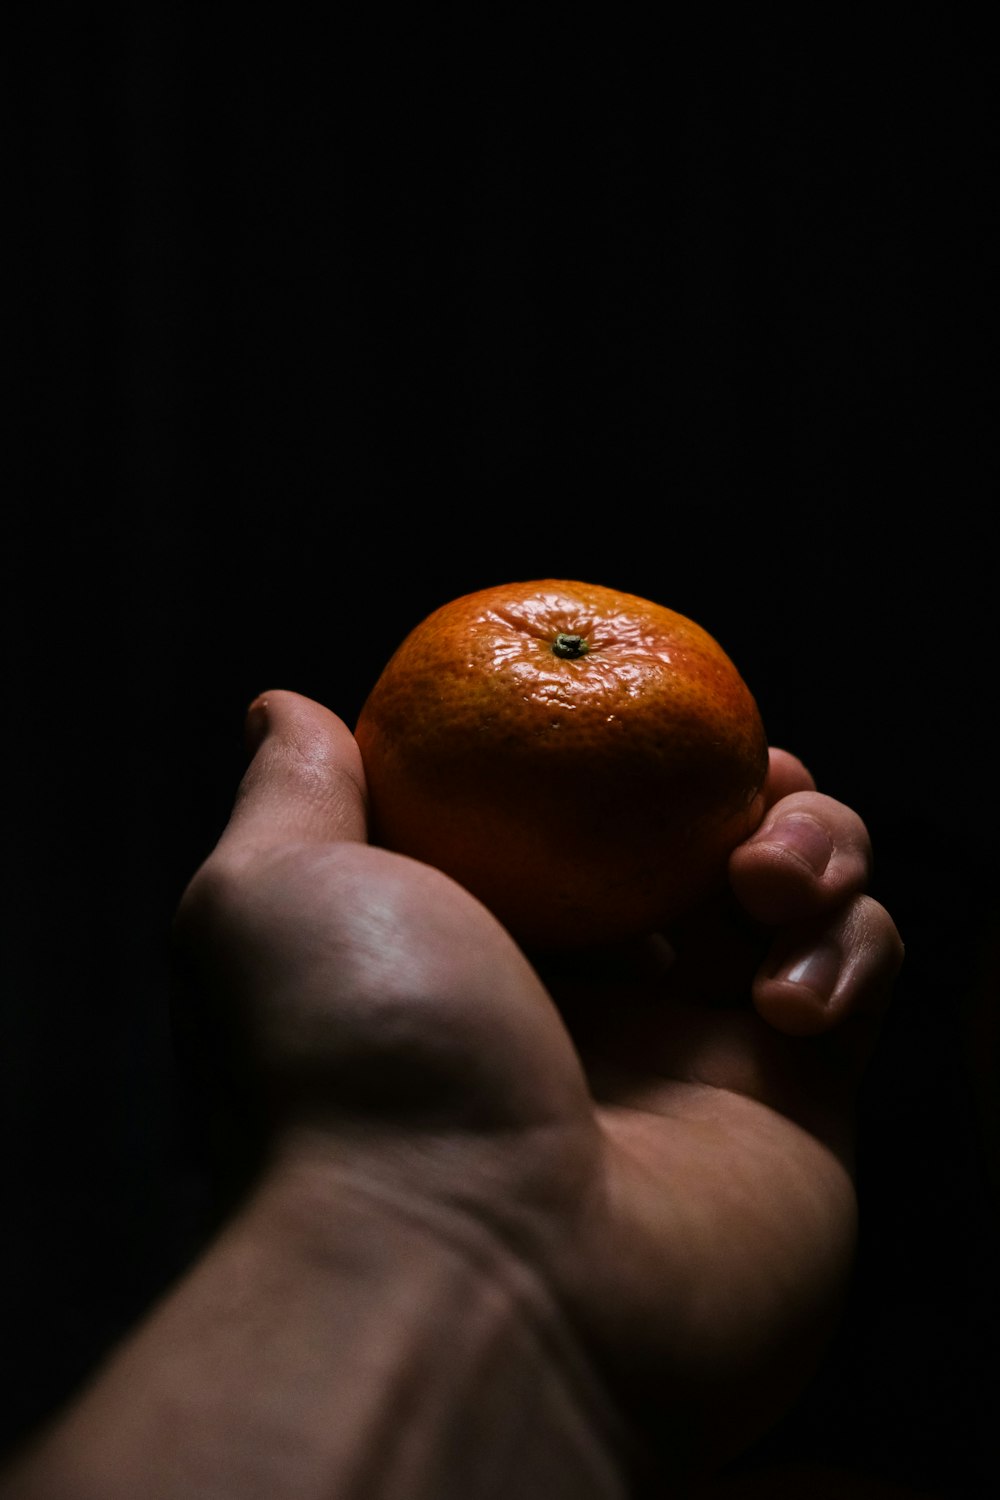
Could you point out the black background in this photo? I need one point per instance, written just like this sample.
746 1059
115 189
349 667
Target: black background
319 323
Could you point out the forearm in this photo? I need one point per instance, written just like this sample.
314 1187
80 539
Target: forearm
328 1346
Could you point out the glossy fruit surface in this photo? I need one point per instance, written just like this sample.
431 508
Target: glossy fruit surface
582 760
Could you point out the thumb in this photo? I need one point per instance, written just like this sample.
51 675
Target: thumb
305 782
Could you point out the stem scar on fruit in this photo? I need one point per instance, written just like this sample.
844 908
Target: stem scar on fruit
569 646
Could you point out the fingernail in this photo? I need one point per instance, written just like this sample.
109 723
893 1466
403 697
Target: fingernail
257 723
805 837
816 970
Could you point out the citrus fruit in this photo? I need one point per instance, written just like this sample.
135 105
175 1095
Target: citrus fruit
582 760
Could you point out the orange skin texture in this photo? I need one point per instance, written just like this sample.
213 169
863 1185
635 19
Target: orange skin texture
583 800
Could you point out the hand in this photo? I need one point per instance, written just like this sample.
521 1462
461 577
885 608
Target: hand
663 1133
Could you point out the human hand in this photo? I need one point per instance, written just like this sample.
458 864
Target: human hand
662 1133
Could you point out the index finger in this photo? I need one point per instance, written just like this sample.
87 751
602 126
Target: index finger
305 782
786 774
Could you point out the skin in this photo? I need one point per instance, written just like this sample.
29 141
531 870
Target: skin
618 1190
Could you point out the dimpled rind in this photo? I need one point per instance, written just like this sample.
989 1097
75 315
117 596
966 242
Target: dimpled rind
583 799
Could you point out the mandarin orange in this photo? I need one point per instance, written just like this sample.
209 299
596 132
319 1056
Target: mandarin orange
582 760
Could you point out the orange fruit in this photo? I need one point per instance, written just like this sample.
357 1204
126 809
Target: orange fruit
582 760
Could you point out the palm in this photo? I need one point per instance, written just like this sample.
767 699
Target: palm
726 1150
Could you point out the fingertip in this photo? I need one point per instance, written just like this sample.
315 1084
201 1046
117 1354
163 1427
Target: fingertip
817 978
293 718
792 1008
795 989
786 774
305 777
810 854
777 874
257 723
277 709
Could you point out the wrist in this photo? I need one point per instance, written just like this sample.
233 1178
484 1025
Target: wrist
343 1338
483 1385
